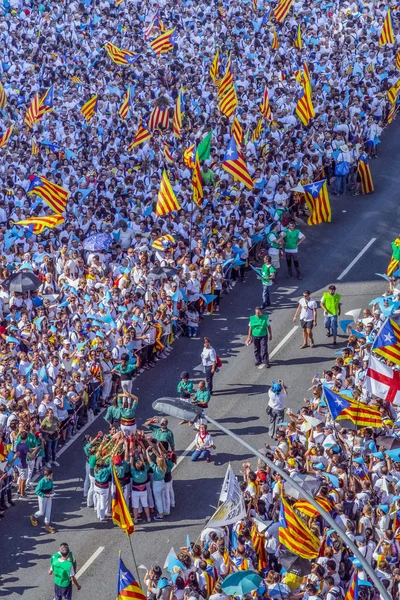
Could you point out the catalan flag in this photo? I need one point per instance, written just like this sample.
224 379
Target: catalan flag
237 132
90 108
257 130
395 258
387 342
127 586
317 199
225 83
294 534
397 62
275 41
308 510
393 92
197 183
38 224
306 80
228 103
3 97
189 157
387 34
163 243
6 136
282 10
234 164
167 201
343 408
177 120
265 108
46 102
54 195
76 79
396 521
126 105
141 136
364 172
258 541
298 42
120 56
159 116
352 592
32 114
119 511
167 153
147 31
163 43
35 148
391 113
214 71
304 107
210 581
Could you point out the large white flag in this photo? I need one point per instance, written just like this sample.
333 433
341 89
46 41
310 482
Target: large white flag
382 381
233 508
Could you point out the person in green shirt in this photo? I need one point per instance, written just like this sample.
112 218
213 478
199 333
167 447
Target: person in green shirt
159 468
201 398
259 331
268 273
331 305
127 404
161 433
207 175
63 570
185 386
126 371
292 239
44 492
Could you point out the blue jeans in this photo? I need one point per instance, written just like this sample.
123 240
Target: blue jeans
331 322
94 395
51 449
200 455
265 295
192 331
341 182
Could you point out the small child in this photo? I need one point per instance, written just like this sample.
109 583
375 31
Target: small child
185 389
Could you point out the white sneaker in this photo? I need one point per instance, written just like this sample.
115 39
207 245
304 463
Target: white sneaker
261 366
48 465
55 463
206 312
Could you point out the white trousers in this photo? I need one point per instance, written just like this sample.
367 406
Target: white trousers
102 502
90 492
44 509
139 499
126 490
159 495
31 466
128 429
86 483
150 499
169 496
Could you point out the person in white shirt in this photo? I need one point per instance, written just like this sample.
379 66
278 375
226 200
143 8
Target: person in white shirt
204 444
209 362
307 308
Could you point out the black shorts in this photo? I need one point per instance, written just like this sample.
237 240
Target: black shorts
306 324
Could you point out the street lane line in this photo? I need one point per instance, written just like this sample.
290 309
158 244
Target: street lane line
357 258
282 342
185 453
89 561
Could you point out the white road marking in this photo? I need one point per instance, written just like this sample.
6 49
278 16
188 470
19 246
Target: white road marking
282 342
89 561
357 258
187 451
285 291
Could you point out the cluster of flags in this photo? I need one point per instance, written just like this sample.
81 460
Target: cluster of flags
295 535
39 107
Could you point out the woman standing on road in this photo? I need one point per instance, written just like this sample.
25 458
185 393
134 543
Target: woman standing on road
209 362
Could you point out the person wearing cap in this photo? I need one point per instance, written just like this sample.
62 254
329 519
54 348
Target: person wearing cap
331 305
161 433
259 332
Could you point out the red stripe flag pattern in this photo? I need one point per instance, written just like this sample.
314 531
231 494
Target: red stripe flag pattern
167 201
159 116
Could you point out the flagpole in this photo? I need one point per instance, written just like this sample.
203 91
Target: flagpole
134 560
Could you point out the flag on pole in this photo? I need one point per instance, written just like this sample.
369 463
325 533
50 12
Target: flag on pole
35 148
159 116
204 148
309 511
304 107
38 224
393 91
364 172
120 56
163 43
163 242
32 114
294 534
298 42
228 102
275 41
387 34
352 592
382 381
177 120
391 113
344 408
234 164
3 97
6 136
317 199
265 108
167 152
237 132
282 10
214 71
54 195
197 183
46 102
257 130
126 105
189 157
167 201
387 342
147 31
119 510
89 108
397 62
127 586
225 83
141 136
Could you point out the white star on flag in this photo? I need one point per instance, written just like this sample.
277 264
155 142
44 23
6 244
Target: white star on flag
314 189
388 338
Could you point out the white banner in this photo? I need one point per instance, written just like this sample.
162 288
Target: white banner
232 509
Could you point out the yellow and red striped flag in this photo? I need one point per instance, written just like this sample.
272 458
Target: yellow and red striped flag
393 91
162 43
317 200
387 342
298 42
397 61
304 108
163 242
32 114
387 33
294 534
237 132
167 201
90 108
118 55
3 97
307 509
40 223
214 70
141 136
188 156
76 79
344 408
265 108
225 83
234 164
6 136
395 258
177 120
275 41
35 148
228 103
54 195
391 113
126 105
258 130
363 170
258 541
282 10
167 153
210 583
119 511
197 183
159 116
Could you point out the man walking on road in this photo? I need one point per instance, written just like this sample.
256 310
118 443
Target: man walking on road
292 238
308 317
62 568
330 304
260 331
268 273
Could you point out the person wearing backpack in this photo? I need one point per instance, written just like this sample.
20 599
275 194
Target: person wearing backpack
342 169
334 592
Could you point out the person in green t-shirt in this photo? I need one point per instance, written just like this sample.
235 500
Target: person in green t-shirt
331 305
207 175
259 331
268 274
292 239
63 570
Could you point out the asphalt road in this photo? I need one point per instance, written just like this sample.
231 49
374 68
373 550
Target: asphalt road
239 402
